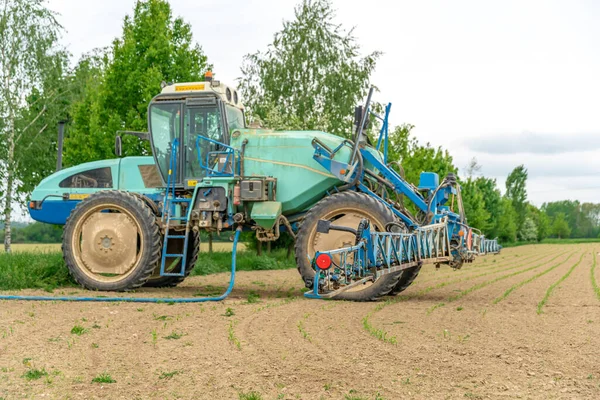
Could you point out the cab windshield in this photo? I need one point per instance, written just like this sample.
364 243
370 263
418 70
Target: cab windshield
165 126
202 134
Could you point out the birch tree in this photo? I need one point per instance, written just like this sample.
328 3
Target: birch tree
31 69
311 76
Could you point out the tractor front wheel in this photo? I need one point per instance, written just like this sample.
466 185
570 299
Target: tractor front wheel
111 242
343 209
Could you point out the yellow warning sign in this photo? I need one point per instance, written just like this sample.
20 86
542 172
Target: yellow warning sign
187 88
78 196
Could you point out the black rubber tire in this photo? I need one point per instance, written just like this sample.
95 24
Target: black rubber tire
347 199
406 279
150 235
192 257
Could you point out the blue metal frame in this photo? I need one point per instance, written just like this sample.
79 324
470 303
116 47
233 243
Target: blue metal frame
169 208
379 253
232 158
391 250
383 133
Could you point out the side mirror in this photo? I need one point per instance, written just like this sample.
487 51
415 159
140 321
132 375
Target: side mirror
118 146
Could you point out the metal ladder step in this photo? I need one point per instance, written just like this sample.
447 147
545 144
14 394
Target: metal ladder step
173 274
169 201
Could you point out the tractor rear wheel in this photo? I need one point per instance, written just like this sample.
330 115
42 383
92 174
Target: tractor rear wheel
111 241
174 264
342 209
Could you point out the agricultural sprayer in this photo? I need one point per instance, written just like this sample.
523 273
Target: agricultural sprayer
136 221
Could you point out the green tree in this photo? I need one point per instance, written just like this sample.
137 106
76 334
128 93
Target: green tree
36 232
591 211
560 226
581 223
311 75
474 203
507 226
541 221
492 204
543 224
154 47
529 231
31 73
516 192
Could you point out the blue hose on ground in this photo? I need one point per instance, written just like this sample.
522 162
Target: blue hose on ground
143 299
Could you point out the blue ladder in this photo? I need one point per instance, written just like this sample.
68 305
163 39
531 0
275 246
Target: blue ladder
167 217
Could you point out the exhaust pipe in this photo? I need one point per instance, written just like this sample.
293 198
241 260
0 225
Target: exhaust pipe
61 134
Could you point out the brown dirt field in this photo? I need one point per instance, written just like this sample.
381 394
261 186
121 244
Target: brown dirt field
444 337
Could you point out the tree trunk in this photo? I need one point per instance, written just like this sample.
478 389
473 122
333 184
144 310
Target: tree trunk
9 184
210 243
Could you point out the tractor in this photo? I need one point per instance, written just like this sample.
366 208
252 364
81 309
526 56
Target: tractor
136 221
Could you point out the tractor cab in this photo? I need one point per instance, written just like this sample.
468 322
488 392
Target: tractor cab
193 122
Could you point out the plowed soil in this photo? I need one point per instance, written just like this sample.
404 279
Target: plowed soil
521 324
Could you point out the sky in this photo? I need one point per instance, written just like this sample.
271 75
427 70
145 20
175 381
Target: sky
505 82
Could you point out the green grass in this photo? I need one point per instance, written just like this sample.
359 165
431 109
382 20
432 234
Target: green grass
33 270
554 241
103 378
253 297
231 336
168 375
378 333
34 374
303 331
246 261
593 276
174 336
229 312
543 302
78 330
47 270
250 396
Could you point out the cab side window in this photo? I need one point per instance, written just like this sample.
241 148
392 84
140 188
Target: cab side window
94 178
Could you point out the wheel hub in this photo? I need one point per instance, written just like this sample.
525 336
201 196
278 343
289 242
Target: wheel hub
109 243
105 243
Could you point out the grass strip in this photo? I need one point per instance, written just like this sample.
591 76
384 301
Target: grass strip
246 261
47 270
33 270
523 283
543 302
593 277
